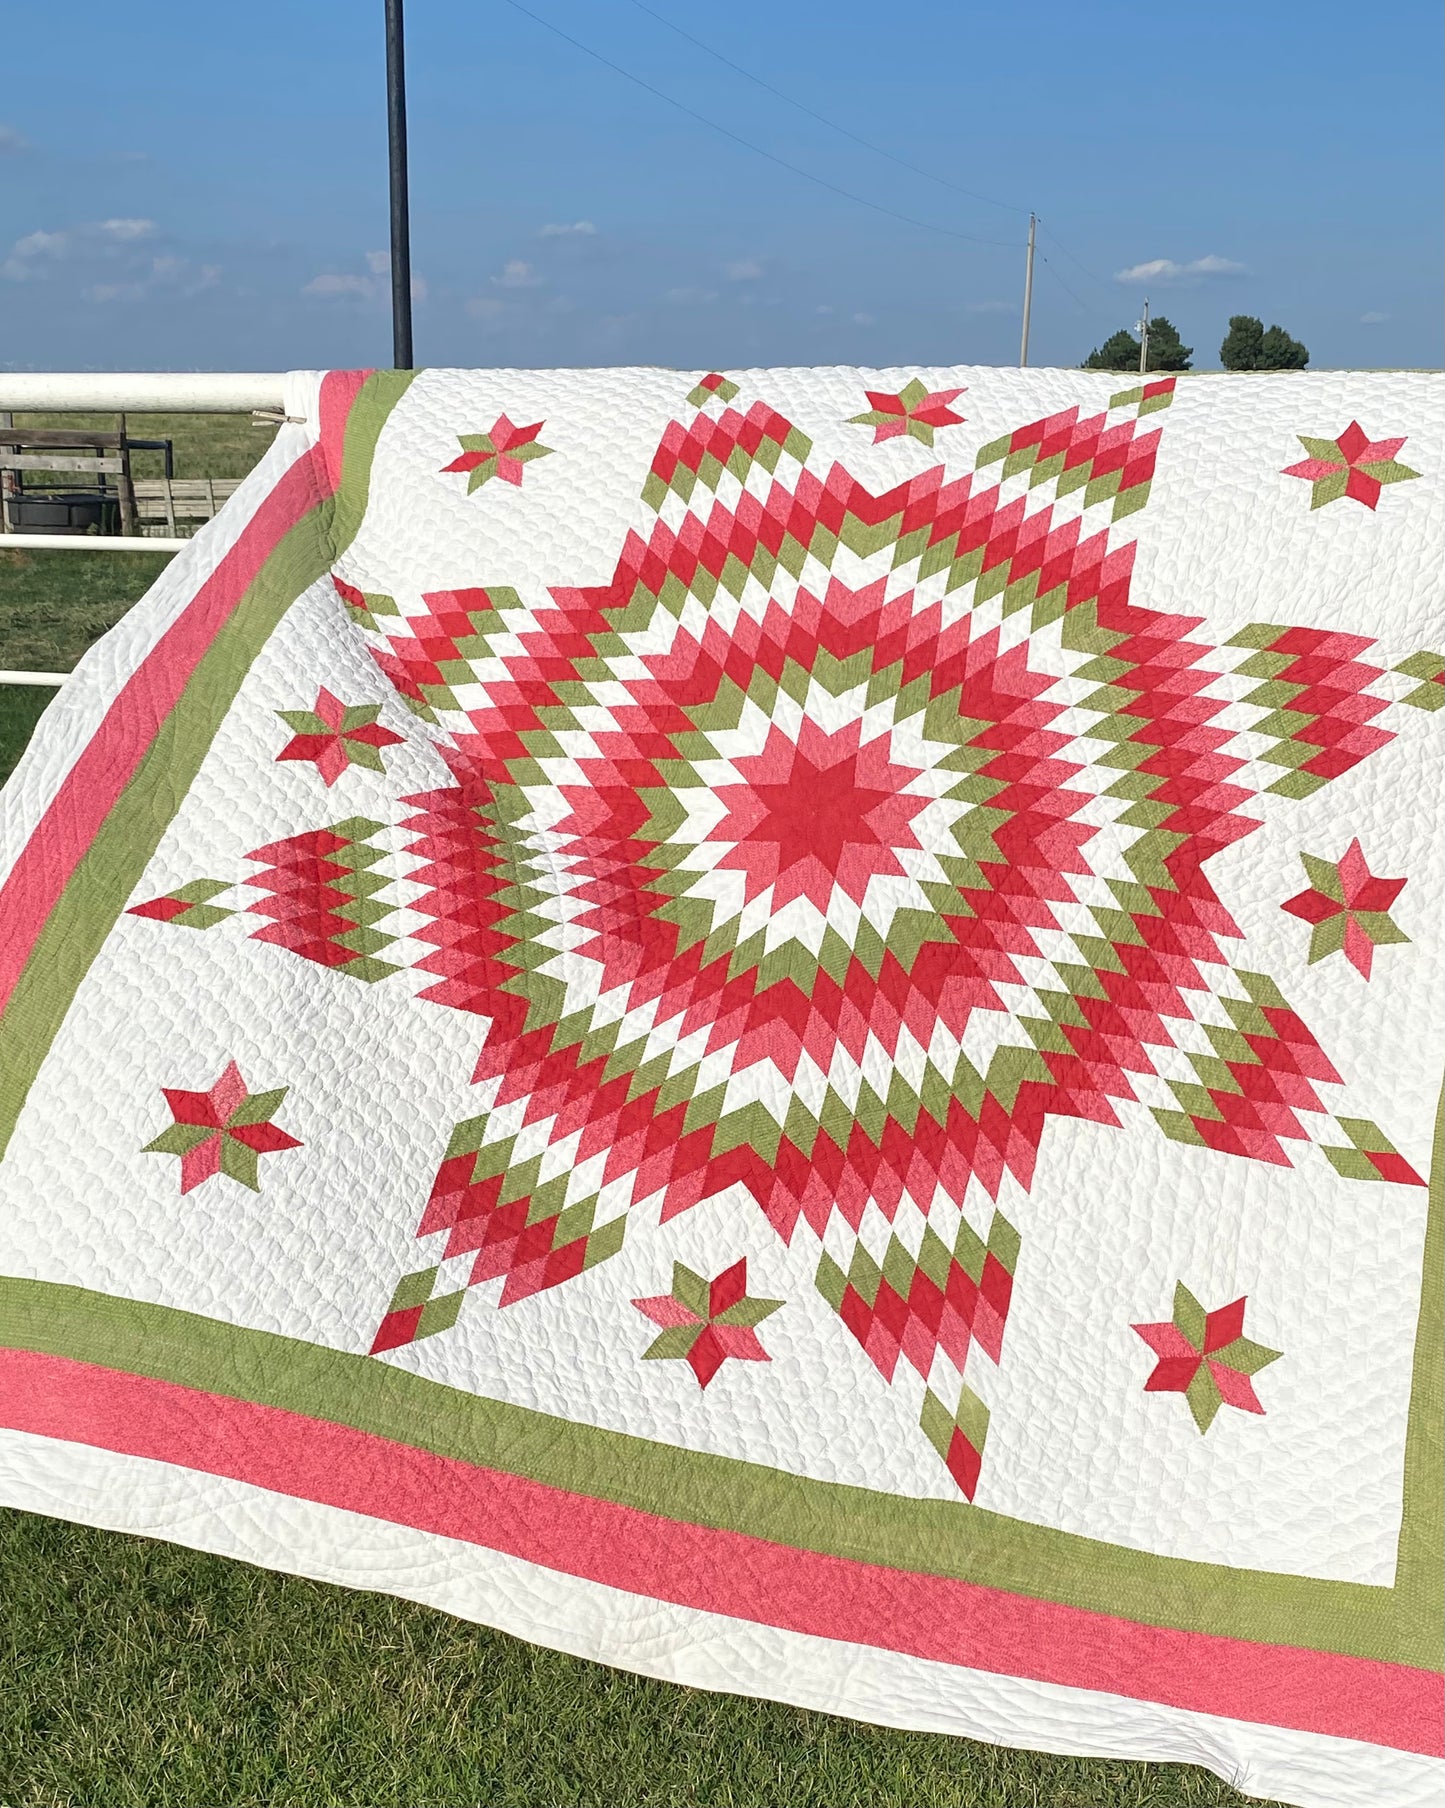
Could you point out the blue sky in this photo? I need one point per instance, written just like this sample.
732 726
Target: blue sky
204 187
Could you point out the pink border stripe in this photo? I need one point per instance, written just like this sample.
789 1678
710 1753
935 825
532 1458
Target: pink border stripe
108 762
937 1618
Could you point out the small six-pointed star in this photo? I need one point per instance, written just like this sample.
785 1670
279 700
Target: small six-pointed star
705 1322
1349 907
914 411
500 452
1353 465
1206 1357
222 1131
335 735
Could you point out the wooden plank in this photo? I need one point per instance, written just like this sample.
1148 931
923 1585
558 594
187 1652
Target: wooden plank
50 461
156 500
187 489
54 436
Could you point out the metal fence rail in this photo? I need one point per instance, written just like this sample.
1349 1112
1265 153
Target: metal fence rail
143 392
117 392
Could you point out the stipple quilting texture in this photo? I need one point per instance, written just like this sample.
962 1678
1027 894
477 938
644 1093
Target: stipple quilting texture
784 1027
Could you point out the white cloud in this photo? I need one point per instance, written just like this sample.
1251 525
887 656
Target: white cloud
745 270
42 244
108 260
34 255
578 229
1372 318
125 231
517 273
824 308
864 320
11 141
177 275
1165 270
486 308
328 283
334 284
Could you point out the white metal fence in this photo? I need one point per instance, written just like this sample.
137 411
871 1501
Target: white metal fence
83 392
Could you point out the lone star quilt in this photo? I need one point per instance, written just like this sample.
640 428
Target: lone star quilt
783 1027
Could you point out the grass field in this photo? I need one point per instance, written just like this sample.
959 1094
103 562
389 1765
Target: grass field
136 1674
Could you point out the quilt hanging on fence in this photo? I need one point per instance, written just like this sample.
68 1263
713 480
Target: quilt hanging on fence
782 1027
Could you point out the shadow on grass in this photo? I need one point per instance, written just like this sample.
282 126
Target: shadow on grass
20 709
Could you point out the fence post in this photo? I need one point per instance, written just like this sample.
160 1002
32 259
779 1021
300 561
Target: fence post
125 490
6 420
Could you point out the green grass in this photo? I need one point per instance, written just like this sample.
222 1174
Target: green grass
54 604
19 712
140 1673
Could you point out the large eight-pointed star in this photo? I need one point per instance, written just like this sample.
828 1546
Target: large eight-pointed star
820 811
823 854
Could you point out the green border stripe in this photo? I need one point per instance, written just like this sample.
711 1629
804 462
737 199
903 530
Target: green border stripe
111 868
935 1537
1420 1572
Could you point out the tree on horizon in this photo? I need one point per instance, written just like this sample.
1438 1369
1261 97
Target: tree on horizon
1248 346
1121 350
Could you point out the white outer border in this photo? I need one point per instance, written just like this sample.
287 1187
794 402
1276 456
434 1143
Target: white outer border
227 1518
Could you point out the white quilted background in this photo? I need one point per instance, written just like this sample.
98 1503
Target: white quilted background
1114 1217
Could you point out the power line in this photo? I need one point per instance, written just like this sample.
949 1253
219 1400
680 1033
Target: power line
1074 260
832 124
747 144
1092 312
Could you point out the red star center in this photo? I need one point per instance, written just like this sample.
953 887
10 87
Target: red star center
815 813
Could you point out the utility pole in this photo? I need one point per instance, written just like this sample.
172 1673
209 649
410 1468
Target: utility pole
1028 293
400 212
1144 339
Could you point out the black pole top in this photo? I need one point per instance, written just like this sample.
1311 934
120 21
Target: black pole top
401 353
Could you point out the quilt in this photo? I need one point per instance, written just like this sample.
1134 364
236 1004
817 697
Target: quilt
783 1027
